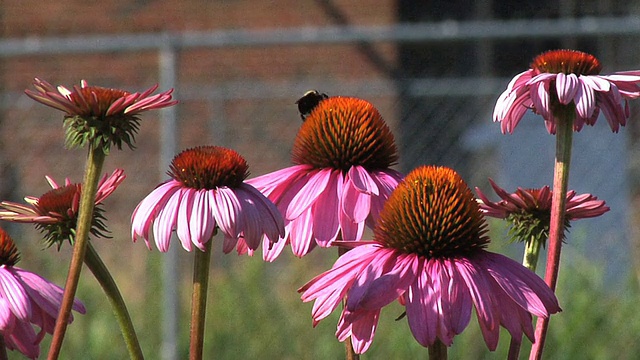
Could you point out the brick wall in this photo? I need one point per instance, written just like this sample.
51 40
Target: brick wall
261 130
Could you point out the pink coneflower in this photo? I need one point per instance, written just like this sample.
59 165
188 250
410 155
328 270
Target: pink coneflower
341 177
207 191
529 210
109 116
26 299
56 212
429 253
562 81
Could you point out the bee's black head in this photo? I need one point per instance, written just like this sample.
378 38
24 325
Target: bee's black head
309 101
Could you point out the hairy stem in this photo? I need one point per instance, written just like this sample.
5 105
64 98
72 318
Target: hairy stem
95 160
556 229
101 273
199 300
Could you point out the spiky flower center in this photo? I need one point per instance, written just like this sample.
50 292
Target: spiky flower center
209 167
567 62
434 214
62 204
341 132
60 201
99 99
9 255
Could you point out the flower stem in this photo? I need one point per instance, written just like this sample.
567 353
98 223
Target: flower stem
532 248
101 273
556 227
199 300
532 253
3 349
438 351
95 160
349 352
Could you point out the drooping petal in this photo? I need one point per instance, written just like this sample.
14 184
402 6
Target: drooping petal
355 204
362 181
147 209
15 295
421 305
302 233
363 329
585 100
165 221
326 211
379 286
183 229
202 223
520 284
566 87
225 209
302 201
480 290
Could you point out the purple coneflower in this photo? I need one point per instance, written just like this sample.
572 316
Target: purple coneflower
529 210
26 299
341 177
429 253
207 191
109 116
55 213
567 81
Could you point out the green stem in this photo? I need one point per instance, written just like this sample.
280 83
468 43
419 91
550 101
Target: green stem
199 300
438 351
95 160
101 273
556 229
532 248
532 253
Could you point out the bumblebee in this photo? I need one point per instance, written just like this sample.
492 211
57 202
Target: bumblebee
309 101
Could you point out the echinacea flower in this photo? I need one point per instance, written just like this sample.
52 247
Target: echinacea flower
529 210
207 192
26 299
98 115
567 82
429 252
55 213
341 177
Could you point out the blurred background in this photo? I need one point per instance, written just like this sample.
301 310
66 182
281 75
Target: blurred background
434 69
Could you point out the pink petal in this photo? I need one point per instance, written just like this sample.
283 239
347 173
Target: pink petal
15 295
585 100
302 233
363 330
480 290
270 251
362 181
376 286
325 211
183 231
523 286
421 305
165 221
202 223
225 208
315 185
459 298
566 87
355 204
273 184
147 209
